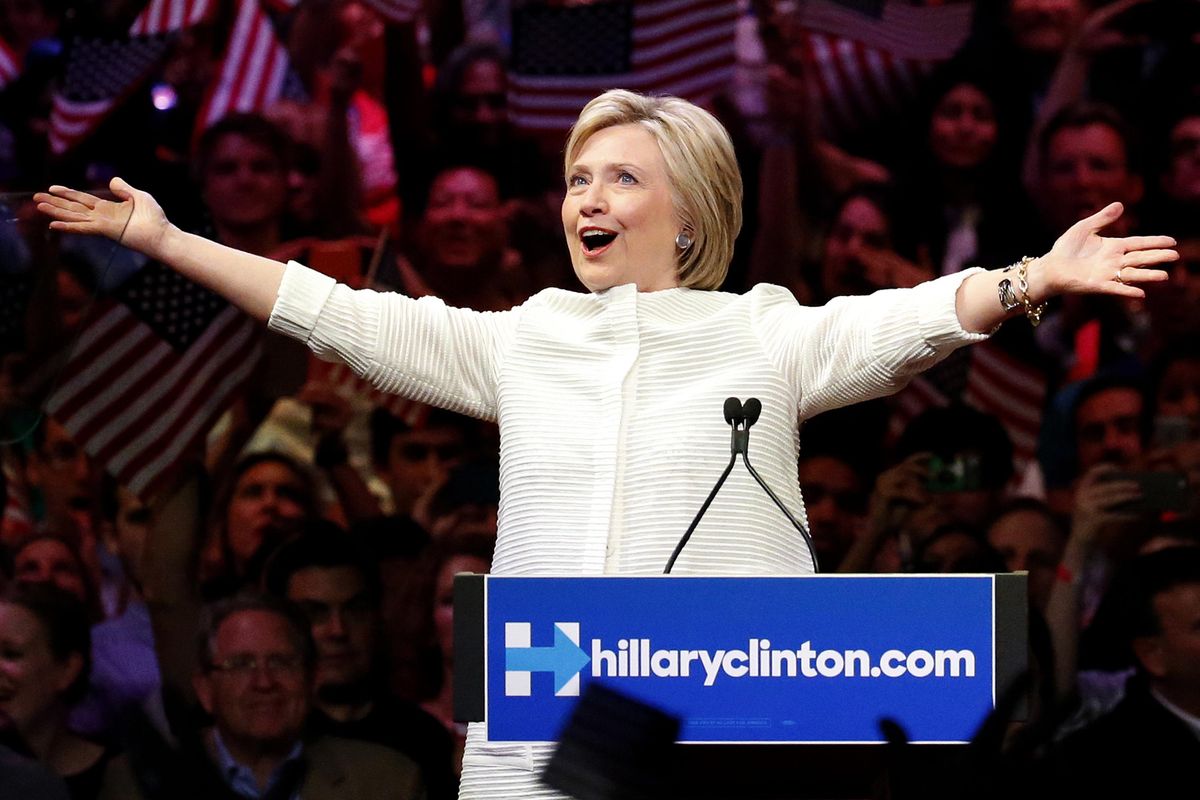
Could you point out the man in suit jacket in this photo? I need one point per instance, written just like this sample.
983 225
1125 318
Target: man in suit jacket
255 681
1149 744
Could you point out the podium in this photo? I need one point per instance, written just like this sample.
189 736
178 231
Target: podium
772 679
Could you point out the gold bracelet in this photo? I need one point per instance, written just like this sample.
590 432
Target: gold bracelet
1032 312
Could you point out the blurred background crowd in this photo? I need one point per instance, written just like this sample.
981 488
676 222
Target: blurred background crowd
172 475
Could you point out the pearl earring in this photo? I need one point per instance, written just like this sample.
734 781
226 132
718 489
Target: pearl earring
683 241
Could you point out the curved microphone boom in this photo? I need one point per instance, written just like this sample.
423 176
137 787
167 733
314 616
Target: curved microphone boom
740 416
734 416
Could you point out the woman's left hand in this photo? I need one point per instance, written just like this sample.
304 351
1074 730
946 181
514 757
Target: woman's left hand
1084 262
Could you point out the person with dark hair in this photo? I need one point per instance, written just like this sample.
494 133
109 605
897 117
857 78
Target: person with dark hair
835 497
241 169
472 121
859 254
956 548
1171 311
1089 160
414 456
1100 420
468 501
1174 394
56 560
335 582
1030 538
1174 195
463 251
1109 422
125 676
1147 746
68 482
451 555
415 460
45 656
963 204
254 678
267 497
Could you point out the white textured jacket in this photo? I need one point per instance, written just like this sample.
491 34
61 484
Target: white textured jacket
610 408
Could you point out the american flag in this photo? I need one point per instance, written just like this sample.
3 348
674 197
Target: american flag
10 65
153 370
398 11
565 56
16 520
283 6
168 16
254 70
342 379
863 59
990 380
101 73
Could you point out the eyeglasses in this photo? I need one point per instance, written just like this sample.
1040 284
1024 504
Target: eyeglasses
244 665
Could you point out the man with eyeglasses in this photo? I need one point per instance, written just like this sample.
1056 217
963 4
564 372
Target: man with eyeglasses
255 680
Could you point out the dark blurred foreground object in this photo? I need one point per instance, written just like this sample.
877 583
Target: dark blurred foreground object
615 747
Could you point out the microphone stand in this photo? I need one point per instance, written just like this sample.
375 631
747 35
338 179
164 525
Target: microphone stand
740 417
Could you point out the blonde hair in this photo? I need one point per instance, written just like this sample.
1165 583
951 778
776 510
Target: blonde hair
706 186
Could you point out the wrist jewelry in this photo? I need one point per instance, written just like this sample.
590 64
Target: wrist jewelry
1032 312
1008 298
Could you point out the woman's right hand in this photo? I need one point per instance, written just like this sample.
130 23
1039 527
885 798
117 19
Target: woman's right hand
136 221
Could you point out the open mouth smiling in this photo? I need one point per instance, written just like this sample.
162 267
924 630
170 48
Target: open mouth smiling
596 240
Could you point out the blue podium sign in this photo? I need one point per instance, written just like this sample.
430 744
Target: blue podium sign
819 659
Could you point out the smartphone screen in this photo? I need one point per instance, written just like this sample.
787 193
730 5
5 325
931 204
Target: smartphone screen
1161 491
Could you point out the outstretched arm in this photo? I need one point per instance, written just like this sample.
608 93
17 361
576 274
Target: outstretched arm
137 221
1081 262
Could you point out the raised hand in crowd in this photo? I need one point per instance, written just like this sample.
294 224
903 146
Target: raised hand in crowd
899 492
1100 516
887 269
331 415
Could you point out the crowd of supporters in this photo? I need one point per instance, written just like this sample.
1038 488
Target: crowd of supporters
275 619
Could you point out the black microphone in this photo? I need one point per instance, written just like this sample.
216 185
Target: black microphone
733 410
751 408
740 416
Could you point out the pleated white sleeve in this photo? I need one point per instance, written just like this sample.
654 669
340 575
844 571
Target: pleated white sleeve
858 348
419 348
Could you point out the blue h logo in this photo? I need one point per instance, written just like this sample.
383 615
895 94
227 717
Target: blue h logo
521 659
